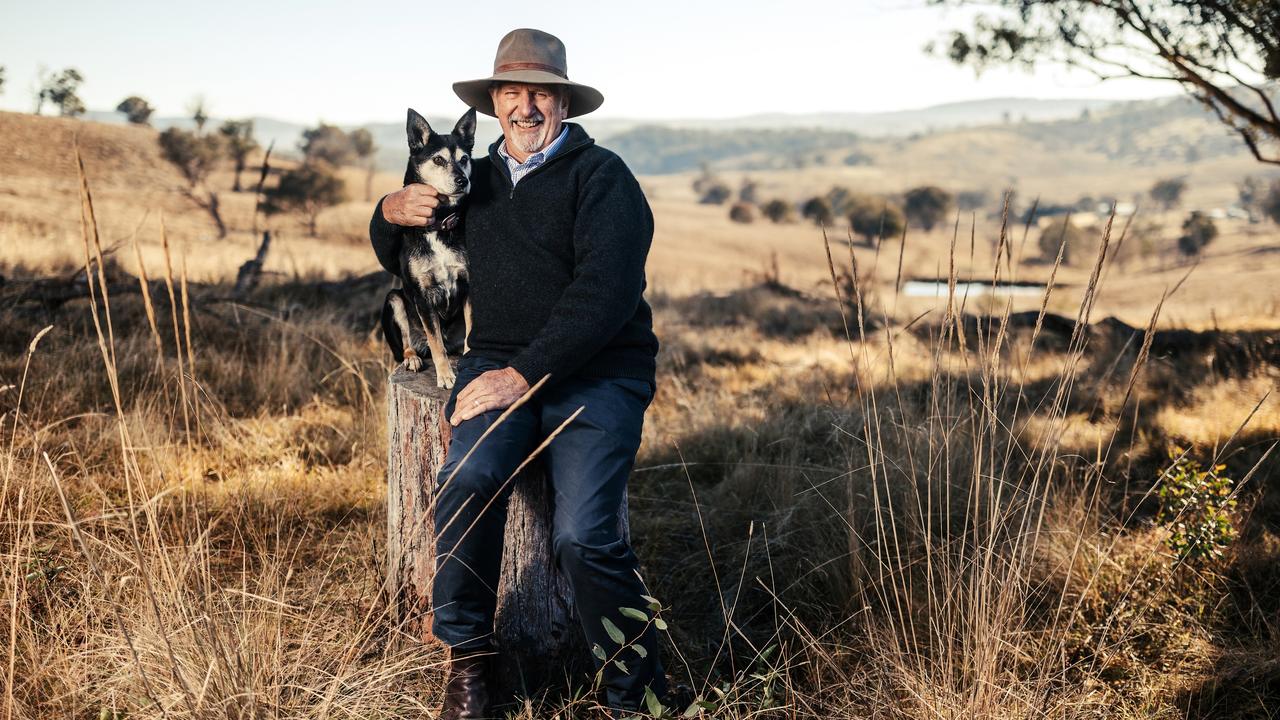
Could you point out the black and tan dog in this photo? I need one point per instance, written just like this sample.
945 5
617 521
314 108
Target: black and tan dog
433 261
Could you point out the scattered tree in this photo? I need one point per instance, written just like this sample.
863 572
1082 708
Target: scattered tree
876 219
926 206
62 90
841 200
1222 52
778 210
742 212
748 191
1251 191
327 143
1058 231
195 156
717 193
238 136
1198 230
857 157
818 209
1270 203
1168 192
1 79
364 147
704 180
309 188
970 200
199 110
136 110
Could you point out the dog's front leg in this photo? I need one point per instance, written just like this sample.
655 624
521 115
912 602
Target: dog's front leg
400 317
435 340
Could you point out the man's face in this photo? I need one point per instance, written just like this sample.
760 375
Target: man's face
530 115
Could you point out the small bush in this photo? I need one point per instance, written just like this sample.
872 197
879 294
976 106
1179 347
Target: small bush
1197 508
1061 230
778 210
876 219
1198 230
717 193
742 212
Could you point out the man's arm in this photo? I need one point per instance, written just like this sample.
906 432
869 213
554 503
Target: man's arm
611 238
410 206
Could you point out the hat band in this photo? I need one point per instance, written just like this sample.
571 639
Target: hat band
508 67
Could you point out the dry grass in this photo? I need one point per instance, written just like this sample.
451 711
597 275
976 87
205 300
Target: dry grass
849 515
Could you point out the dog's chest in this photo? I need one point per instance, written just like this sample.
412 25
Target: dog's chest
432 263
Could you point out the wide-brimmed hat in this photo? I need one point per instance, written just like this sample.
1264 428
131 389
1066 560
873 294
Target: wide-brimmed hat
529 56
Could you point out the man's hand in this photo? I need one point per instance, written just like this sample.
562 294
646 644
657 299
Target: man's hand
491 390
411 206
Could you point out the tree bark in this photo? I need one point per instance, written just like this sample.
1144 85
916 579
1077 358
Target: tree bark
537 629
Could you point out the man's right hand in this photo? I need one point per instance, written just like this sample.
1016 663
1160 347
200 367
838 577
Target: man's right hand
411 206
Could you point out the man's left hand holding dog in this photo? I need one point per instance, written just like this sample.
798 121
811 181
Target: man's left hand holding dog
491 390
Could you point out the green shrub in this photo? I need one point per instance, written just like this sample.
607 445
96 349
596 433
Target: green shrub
1197 507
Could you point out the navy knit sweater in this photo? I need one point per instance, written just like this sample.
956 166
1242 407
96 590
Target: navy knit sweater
556 264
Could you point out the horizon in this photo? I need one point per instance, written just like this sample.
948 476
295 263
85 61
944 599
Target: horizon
96 114
797 62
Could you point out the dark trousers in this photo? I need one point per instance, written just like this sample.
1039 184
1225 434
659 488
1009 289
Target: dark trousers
587 465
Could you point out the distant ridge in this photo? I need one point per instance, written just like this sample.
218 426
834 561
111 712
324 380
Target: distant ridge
645 143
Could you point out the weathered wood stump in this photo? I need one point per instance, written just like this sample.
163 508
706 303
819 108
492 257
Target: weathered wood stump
537 630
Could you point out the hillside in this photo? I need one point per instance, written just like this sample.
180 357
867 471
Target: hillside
133 189
695 248
1168 130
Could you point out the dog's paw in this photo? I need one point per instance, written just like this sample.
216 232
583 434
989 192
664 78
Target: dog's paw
412 362
445 378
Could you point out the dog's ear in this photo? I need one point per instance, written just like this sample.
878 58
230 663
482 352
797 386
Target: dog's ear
418 129
465 130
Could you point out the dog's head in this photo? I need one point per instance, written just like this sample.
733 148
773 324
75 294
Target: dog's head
441 161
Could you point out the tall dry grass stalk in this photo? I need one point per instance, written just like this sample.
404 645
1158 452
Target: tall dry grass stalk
940 540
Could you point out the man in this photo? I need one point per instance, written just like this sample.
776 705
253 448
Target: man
557 231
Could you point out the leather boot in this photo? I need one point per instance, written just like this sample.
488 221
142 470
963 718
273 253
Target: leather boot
466 694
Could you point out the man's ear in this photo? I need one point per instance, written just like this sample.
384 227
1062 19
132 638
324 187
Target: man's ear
465 130
418 130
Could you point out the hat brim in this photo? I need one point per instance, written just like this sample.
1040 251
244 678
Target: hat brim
475 93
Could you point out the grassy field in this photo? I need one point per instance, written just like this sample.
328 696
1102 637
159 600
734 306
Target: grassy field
855 504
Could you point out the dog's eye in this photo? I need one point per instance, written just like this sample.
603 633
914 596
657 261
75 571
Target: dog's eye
463 161
439 161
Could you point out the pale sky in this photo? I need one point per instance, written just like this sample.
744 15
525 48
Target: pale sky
352 63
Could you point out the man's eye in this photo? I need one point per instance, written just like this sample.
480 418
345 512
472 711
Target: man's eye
439 161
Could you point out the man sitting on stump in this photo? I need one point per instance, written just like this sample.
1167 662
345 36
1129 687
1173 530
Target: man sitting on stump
557 231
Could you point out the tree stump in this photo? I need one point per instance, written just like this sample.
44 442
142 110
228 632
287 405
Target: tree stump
537 629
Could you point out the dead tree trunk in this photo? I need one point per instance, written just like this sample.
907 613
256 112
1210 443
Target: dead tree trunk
537 629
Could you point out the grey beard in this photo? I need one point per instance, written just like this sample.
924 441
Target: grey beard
533 144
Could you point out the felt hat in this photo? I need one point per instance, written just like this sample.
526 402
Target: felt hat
529 56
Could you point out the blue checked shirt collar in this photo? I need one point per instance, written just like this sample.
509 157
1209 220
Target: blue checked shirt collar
518 169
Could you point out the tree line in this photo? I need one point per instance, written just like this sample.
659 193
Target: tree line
871 217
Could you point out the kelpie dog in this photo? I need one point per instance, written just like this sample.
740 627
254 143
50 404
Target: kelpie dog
433 262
